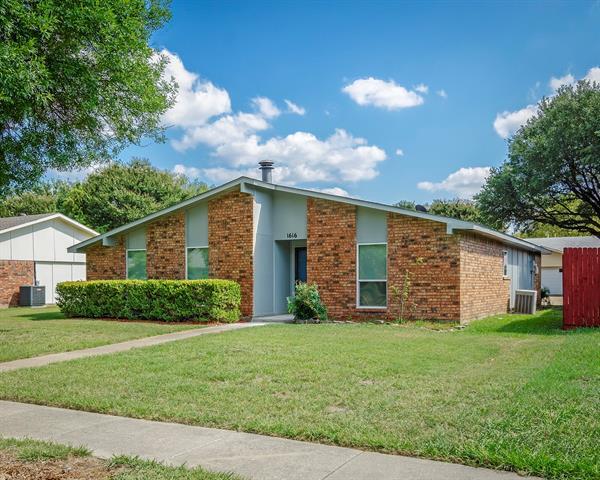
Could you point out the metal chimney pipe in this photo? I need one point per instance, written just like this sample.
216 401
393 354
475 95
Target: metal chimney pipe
266 168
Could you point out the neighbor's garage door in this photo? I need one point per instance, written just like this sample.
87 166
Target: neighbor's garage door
552 279
49 274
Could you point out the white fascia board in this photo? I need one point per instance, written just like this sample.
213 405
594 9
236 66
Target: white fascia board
54 216
153 216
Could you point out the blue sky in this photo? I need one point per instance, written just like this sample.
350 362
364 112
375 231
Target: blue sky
389 100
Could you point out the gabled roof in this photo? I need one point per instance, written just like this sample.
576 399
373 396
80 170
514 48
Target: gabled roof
247 184
8 224
558 244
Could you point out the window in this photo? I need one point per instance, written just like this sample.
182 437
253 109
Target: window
197 263
372 275
505 263
136 264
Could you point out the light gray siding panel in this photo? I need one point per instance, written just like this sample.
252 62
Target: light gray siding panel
289 216
282 276
196 226
520 271
136 240
263 253
371 226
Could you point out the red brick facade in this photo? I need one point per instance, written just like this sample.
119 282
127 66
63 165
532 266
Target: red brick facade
13 274
231 242
431 257
106 263
165 247
483 289
331 252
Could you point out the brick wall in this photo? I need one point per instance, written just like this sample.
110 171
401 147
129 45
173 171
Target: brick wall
483 289
165 247
431 256
230 242
331 252
13 274
106 263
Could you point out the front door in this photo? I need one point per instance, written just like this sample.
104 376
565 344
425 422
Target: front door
300 264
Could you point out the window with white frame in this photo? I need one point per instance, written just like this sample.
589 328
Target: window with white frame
197 263
136 264
136 254
372 275
505 263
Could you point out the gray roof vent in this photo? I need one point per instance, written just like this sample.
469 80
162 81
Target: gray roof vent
266 167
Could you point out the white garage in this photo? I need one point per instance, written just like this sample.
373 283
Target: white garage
33 249
552 264
552 280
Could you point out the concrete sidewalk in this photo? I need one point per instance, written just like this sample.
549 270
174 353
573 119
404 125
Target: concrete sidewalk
120 347
253 456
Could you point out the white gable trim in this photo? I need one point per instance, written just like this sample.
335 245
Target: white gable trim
54 216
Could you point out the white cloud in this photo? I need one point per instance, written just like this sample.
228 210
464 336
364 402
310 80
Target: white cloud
464 183
196 100
422 88
507 123
555 83
379 93
399 152
593 75
266 107
333 191
236 144
442 93
294 108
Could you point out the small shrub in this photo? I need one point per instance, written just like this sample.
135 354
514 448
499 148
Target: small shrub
166 300
306 304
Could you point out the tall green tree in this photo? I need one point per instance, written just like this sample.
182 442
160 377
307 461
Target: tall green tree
458 208
78 82
118 193
42 198
552 174
115 194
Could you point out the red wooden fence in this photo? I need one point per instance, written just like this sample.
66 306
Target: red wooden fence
581 287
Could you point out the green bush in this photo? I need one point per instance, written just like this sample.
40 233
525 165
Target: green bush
167 300
307 304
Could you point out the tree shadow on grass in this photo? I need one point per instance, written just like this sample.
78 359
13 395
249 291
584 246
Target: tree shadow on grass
43 316
548 322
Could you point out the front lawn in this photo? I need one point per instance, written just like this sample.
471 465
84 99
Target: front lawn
511 392
28 332
22 459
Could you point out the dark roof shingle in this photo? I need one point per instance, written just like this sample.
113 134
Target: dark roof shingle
10 222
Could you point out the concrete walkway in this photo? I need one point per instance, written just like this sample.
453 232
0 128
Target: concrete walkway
120 347
253 456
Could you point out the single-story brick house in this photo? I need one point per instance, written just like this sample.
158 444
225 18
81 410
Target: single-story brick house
267 236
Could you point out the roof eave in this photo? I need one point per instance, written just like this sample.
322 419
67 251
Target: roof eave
52 217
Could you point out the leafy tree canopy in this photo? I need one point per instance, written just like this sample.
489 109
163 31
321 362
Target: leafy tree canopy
460 209
113 195
552 174
78 83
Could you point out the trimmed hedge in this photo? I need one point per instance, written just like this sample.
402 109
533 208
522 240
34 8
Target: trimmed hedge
166 300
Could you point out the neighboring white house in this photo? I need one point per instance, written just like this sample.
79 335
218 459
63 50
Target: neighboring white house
552 264
34 248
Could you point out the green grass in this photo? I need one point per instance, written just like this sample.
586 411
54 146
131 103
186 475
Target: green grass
28 332
33 450
119 467
510 392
